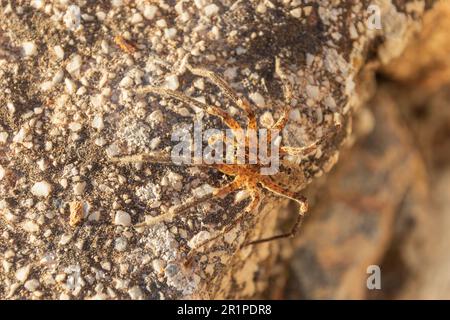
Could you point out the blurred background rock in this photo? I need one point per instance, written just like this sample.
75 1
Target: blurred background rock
387 201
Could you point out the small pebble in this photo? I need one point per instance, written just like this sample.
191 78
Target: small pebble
113 150
150 11
72 18
29 48
73 67
258 99
30 226
97 122
170 33
71 87
41 189
122 218
2 172
31 285
58 77
136 293
172 82
158 265
120 244
78 188
211 10
22 273
136 18
296 13
75 126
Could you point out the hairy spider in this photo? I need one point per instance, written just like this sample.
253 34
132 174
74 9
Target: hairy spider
246 176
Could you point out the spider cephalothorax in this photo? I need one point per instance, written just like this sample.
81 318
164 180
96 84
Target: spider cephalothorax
247 175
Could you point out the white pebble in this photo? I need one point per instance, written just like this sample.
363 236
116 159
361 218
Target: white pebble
258 99
261 8
78 188
158 265
22 273
122 218
3 137
73 67
2 172
31 285
120 244
75 126
170 33
59 75
156 117
241 195
29 48
47 85
136 293
59 52
97 101
65 239
136 18
161 23
150 11
200 3
71 87
30 226
312 92
97 122
72 18
63 182
211 10
41 189
42 164
113 150
154 143
172 82
20 136
296 13
126 82
105 46
100 142
106 265
38 4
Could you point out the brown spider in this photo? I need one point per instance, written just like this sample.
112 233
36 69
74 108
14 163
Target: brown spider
246 176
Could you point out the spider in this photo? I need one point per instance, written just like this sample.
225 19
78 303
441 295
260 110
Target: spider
246 176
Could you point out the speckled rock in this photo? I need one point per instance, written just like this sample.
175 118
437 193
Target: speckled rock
60 121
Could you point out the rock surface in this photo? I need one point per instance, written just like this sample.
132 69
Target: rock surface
88 69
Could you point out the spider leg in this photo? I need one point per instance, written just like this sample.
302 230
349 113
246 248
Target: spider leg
256 200
224 116
287 92
168 216
154 157
241 102
286 150
161 158
301 200
172 212
282 121
295 151
287 88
